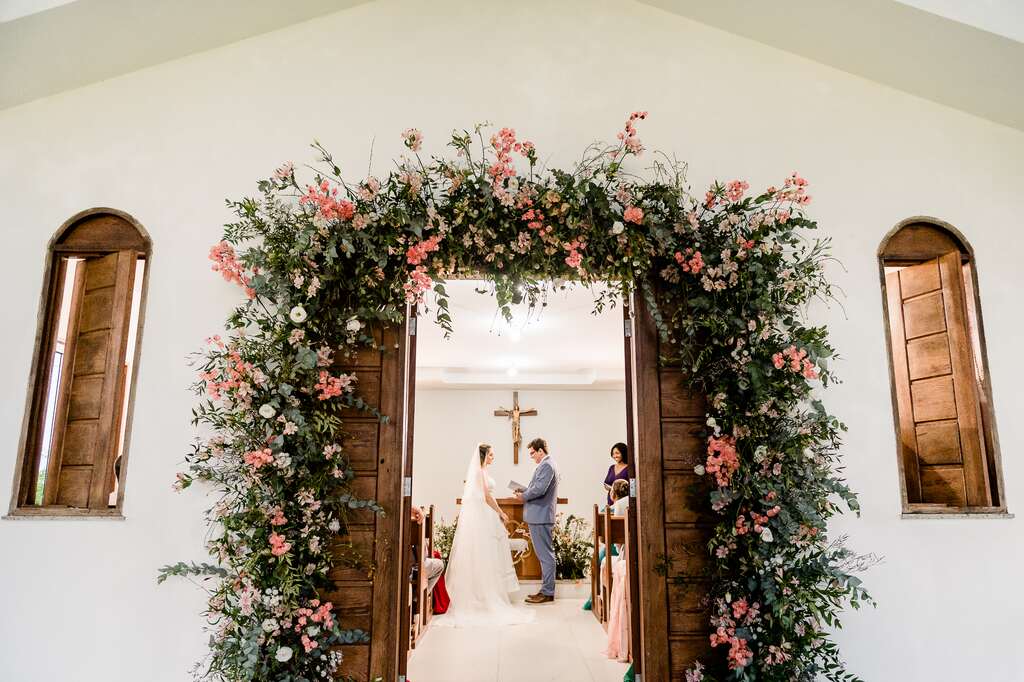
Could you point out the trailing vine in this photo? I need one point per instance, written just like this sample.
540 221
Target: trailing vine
323 261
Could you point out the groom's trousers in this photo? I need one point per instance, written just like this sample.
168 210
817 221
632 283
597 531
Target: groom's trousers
543 545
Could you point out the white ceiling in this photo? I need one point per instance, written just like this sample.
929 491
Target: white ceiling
924 53
967 55
562 345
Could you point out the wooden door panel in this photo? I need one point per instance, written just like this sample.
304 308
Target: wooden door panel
919 279
924 315
360 444
939 442
933 399
928 356
943 485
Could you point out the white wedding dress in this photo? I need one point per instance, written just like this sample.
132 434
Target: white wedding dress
481 576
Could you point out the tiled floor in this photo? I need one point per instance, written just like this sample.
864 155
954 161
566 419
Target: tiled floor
564 644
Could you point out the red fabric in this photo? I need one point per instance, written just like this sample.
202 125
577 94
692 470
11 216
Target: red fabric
441 598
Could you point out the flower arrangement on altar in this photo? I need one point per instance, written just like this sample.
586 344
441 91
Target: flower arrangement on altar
322 258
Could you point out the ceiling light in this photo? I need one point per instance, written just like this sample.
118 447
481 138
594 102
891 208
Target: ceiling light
515 335
512 371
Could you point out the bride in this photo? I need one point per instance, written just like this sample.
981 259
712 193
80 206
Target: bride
480 576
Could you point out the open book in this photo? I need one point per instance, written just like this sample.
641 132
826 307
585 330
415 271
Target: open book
516 487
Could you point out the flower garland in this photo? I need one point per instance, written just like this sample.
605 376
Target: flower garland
322 262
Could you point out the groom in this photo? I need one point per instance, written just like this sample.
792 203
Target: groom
539 500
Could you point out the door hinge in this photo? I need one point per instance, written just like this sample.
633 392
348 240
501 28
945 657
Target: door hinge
639 677
401 678
407 486
632 488
412 326
627 328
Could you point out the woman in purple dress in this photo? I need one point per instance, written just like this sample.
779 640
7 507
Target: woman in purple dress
619 470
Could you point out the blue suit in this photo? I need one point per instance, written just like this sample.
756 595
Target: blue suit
540 500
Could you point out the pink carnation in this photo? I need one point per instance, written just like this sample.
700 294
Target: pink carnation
633 214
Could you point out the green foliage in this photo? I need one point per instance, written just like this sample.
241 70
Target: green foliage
572 540
325 262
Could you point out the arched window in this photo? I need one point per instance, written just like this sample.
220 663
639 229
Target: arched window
73 452
946 436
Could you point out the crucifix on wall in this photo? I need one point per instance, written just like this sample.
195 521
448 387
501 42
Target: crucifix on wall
514 414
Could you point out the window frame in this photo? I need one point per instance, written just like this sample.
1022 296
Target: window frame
993 454
47 317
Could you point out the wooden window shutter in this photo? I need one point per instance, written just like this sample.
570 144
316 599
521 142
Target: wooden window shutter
89 404
941 441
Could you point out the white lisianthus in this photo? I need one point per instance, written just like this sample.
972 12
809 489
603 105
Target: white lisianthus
284 654
267 411
618 227
711 422
297 314
334 525
269 625
283 460
699 469
766 535
353 325
759 453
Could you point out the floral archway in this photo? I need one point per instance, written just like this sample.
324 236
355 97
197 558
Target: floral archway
727 276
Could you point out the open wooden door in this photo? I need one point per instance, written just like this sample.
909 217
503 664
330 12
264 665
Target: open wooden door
671 562
369 596
408 606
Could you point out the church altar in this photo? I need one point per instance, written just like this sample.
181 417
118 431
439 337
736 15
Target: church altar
527 565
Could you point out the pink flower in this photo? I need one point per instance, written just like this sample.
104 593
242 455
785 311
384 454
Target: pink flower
739 608
258 458
413 139
285 171
628 136
633 214
734 190
417 253
418 284
278 518
722 459
330 386
226 263
278 546
308 644
690 261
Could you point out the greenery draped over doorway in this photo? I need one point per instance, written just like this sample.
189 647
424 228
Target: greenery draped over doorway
322 260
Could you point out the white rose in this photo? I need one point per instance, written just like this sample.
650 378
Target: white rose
334 525
618 227
284 654
283 460
269 625
699 469
267 411
298 314
353 325
766 535
759 453
711 422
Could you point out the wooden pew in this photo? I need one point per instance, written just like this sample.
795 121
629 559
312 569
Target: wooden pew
596 603
421 600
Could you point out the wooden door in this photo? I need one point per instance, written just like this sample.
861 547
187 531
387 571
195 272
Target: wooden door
941 441
368 596
87 417
406 606
672 530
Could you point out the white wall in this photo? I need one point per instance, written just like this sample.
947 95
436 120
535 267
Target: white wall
579 426
167 144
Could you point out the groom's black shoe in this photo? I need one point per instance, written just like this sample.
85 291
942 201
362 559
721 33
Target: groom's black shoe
539 598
